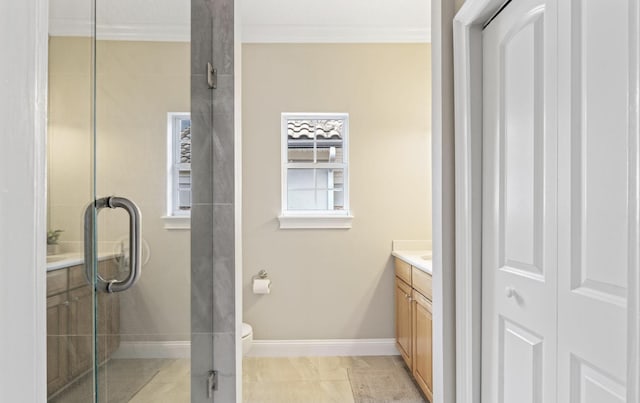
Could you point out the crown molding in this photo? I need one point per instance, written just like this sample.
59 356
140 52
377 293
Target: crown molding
250 33
254 33
131 32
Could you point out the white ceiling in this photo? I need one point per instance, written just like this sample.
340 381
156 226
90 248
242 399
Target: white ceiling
262 20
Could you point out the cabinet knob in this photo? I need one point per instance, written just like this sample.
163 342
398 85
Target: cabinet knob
510 292
65 303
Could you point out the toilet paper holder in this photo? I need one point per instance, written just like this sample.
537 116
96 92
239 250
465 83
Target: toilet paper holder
261 283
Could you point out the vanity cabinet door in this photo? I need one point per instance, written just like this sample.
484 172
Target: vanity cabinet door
57 342
80 330
108 314
403 320
423 343
108 325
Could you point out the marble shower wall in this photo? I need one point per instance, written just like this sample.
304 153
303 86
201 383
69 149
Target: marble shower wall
212 215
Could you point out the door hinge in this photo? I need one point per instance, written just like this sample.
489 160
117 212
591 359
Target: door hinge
212 76
212 383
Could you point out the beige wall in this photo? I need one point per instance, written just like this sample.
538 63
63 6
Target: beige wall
138 83
335 283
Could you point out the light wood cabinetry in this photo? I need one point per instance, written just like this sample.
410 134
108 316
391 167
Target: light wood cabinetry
403 320
70 307
403 271
423 343
414 323
421 282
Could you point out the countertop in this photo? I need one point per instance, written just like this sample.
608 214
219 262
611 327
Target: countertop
415 252
63 260
420 259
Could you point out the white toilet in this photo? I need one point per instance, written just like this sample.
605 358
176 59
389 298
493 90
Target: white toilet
247 338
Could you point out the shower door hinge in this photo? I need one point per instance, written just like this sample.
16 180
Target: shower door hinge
212 383
212 76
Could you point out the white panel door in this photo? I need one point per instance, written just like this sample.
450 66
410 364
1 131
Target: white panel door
519 244
559 200
595 177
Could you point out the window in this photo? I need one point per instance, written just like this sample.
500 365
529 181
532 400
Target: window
315 176
179 171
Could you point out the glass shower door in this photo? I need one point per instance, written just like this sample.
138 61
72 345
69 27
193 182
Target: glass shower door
118 309
71 368
142 171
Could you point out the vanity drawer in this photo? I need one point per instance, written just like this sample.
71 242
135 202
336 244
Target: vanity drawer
403 271
56 281
421 281
77 277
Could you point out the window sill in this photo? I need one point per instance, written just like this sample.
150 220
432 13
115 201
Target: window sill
315 221
177 222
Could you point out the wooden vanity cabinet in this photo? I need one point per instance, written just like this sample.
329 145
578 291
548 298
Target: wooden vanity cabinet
414 323
80 331
70 324
403 321
57 342
422 325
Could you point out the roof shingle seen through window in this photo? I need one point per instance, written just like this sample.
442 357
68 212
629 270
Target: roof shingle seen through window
319 129
185 145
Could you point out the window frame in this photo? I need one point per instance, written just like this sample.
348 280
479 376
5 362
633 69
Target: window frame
175 218
295 219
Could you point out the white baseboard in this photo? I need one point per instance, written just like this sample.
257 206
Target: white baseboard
265 348
333 347
153 349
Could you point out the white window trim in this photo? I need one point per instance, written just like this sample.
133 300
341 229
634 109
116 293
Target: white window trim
300 219
317 221
176 222
173 220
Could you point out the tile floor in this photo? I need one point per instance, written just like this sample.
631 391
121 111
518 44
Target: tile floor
328 379
267 380
172 384
132 380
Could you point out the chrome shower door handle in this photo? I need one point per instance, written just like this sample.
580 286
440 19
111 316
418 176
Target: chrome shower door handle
135 239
